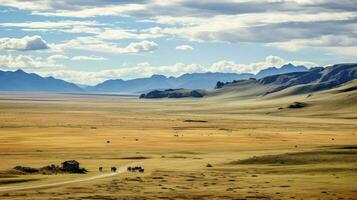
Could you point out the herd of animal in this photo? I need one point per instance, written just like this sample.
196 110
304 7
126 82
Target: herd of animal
129 169
136 169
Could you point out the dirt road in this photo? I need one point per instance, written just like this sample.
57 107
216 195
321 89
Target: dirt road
14 188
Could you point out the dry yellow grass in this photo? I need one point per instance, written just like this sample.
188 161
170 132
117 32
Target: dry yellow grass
41 129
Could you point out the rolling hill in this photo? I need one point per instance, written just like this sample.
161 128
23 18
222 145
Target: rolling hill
313 80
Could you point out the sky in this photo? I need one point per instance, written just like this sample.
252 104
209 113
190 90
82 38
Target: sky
89 41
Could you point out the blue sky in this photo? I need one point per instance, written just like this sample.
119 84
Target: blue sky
89 41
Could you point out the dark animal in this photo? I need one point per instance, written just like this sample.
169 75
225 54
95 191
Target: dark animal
129 169
141 170
113 169
100 169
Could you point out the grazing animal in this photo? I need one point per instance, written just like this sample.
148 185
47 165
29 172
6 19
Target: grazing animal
100 169
113 169
141 170
129 169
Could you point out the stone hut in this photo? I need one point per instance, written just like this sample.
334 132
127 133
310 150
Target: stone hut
70 166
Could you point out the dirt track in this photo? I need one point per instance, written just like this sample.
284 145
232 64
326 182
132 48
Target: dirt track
14 188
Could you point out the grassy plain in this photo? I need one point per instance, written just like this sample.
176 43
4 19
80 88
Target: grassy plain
258 148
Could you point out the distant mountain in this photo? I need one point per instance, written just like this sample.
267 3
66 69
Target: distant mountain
188 81
29 82
288 68
132 86
22 81
315 79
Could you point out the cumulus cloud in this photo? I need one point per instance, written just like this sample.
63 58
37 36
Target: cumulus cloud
184 48
143 46
26 43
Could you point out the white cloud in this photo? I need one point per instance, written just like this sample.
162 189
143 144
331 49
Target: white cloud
10 62
339 44
184 48
143 46
67 26
95 44
120 34
270 61
114 10
255 27
49 24
91 58
26 43
54 58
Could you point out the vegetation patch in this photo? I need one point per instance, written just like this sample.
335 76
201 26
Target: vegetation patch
297 105
27 170
187 152
349 89
193 120
135 158
347 147
173 93
312 157
70 166
11 181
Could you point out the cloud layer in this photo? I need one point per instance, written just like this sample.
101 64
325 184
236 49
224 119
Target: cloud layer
286 24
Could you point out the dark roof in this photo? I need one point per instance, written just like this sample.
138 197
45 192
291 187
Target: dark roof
73 162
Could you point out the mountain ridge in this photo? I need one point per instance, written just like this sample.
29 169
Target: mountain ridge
313 80
205 80
20 80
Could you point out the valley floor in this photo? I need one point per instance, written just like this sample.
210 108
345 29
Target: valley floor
207 148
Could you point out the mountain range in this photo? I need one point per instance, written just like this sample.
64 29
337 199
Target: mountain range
30 82
188 81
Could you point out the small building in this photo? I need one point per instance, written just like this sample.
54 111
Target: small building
70 165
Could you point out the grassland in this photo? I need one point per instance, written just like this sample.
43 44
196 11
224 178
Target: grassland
257 147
